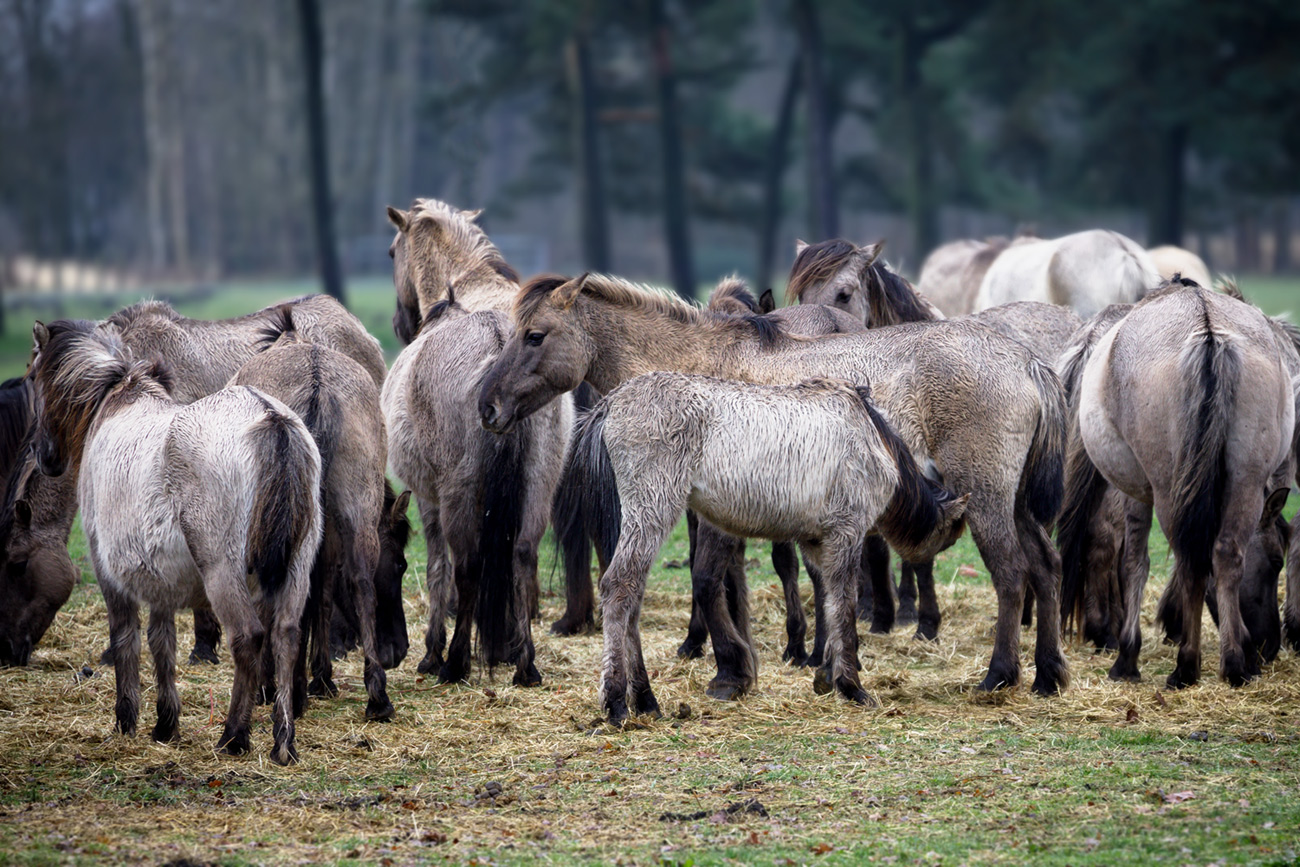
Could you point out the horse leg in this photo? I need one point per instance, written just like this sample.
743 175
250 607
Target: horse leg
326 574
571 535
1187 593
786 564
1291 612
737 587
644 702
840 556
1238 655
1053 673
876 586
162 645
232 605
621 587
286 626
814 659
456 668
928 619
438 579
697 632
1027 612
360 579
1134 566
532 528
907 595
1104 599
124 647
995 537
207 637
715 560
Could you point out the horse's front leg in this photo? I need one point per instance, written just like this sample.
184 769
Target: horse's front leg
207 637
1187 595
124 647
1291 609
785 562
697 631
906 594
928 614
718 555
814 659
876 586
162 644
839 557
438 580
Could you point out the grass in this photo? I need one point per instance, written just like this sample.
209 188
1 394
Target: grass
1104 774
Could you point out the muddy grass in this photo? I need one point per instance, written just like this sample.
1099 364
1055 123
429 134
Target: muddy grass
490 773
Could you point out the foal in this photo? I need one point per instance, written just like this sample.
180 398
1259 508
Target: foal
814 462
180 504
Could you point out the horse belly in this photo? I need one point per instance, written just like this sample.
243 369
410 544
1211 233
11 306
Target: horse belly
754 495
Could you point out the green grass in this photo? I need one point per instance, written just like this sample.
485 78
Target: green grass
1105 774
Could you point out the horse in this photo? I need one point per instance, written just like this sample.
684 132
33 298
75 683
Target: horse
816 462
489 497
951 275
203 355
1085 271
1187 406
841 275
180 503
935 384
438 249
1171 261
339 403
390 616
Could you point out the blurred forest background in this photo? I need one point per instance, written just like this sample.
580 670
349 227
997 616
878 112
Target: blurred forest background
148 143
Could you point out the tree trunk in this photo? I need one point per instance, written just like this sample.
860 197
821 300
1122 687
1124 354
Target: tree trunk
1282 237
1166 220
318 148
778 150
151 40
821 163
922 209
587 156
676 217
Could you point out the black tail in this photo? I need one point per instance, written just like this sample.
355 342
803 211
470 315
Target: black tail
566 512
1084 490
1211 367
1044 473
594 488
321 413
500 608
286 506
915 510
279 323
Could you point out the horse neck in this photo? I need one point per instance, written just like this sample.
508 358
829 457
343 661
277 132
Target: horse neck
480 289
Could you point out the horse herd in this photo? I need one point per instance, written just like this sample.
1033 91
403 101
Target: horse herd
238 467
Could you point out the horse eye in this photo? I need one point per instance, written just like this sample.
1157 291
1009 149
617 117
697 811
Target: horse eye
535 338
842 298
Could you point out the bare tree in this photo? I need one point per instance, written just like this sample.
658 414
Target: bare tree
309 26
676 215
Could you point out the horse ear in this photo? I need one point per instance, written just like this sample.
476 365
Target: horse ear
23 513
398 218
872 251
567 293
40 336
957 508
1273 507
766 301
472 216
799 246
401 503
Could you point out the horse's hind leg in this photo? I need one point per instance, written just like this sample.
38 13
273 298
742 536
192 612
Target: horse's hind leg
712 581
907 594
230 602
839 557
326 573
876 586
285 631
1186 592
162 645
1134 566
928 616
456 667
785 562
1238 655
207 637
438 578
1044 576
124 646
1291 611
697 631
1008 567
360 577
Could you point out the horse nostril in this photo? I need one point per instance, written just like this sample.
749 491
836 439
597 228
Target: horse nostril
490 413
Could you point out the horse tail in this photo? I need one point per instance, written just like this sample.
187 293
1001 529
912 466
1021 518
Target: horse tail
916 508
1043 475
1211 368
595 487
1084 488
500 604
286 513
279 322
566 512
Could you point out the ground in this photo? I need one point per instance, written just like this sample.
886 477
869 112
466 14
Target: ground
491 773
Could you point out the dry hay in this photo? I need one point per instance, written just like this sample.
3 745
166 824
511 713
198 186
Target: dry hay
490 767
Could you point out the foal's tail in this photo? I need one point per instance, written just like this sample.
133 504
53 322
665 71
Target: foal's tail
286 516
917 507
593 492
1211 369
566 512
500 612
1084 489
1043 478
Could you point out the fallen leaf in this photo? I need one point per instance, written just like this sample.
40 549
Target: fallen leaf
967 571
1178 797
822 848
1160 699
1131 716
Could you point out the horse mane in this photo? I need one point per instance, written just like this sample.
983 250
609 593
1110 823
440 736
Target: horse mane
148 307
278 325
89 366
730 292
816 264
635 296
468 238
893 300
15 417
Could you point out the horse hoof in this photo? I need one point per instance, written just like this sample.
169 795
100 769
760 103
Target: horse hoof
531 677
106 658
648 705
380 711
200 655
690 650
725 691
822 684
1179 680
881 628
794 656
1124 674
264 695
322 687
284 754
858 695
927 631
164 734
431 663
994 681
451 674
573 626
906 614
617 712
812 660
233 744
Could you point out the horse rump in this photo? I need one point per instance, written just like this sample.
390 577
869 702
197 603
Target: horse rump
286 507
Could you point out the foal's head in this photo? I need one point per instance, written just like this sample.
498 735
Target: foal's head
76 369
834 274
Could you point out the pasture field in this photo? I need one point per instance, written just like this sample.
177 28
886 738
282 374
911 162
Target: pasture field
488 773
